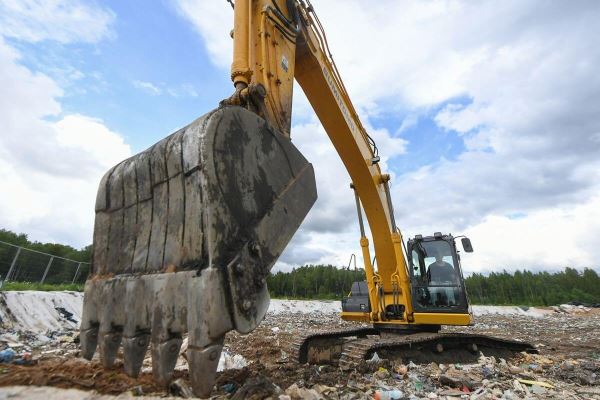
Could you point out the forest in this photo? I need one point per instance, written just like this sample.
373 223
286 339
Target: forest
56 249
31 265
522 287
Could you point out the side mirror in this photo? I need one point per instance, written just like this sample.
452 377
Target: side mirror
466 243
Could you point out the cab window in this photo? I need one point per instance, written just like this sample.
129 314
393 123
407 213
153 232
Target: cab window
436 278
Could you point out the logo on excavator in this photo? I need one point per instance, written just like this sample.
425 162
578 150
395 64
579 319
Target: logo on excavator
338 98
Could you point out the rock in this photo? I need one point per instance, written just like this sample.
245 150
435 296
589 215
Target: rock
451 392
257 388
590 390
567 365
518 387
459 381
535 389
450 381
324 390
137 391
508 395
515 370
181 388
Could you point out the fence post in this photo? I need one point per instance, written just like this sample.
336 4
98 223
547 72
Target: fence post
12 265
76 273
47 268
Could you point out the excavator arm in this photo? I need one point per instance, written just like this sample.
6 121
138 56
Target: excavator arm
276 41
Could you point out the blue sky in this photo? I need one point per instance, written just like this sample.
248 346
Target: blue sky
153 75
149 43
486 113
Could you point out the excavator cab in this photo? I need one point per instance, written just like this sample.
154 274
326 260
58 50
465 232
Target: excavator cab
436 277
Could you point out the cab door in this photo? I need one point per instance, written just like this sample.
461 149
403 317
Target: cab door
436 277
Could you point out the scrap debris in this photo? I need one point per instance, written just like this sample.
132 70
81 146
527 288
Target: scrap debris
256 366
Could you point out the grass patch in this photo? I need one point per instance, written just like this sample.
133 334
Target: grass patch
45 287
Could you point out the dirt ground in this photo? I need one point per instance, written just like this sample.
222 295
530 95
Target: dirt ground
568 360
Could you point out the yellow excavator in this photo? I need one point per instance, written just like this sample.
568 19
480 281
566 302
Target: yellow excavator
187 231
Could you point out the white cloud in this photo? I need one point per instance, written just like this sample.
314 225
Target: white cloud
528 94
156 89
330 232
147 87
530 146
90 137
552 238
213 20
59 206
50 170
64 21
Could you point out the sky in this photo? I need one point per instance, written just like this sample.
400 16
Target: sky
486 114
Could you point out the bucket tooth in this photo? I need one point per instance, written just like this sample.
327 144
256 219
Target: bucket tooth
136 334
89 321
89 341
185 235
169 319
203 365
134 351
112 318
109 343
208 322
164 358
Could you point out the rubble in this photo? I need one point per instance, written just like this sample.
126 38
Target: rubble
257 365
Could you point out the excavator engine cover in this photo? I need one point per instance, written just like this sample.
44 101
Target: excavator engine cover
185 235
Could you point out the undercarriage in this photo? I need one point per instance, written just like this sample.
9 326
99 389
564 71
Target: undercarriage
349 348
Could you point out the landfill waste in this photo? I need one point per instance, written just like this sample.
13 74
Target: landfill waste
259 365
180 388
7 355
374 359
389 394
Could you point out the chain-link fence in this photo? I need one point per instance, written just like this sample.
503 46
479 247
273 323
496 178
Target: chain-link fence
25 265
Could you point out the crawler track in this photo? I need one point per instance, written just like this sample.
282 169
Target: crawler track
362 349
300 347
350 347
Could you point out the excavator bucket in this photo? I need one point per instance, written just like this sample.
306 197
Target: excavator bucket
185 235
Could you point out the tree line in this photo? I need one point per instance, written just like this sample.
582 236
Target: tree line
56 249
30 266
313 282
519 288
535 288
